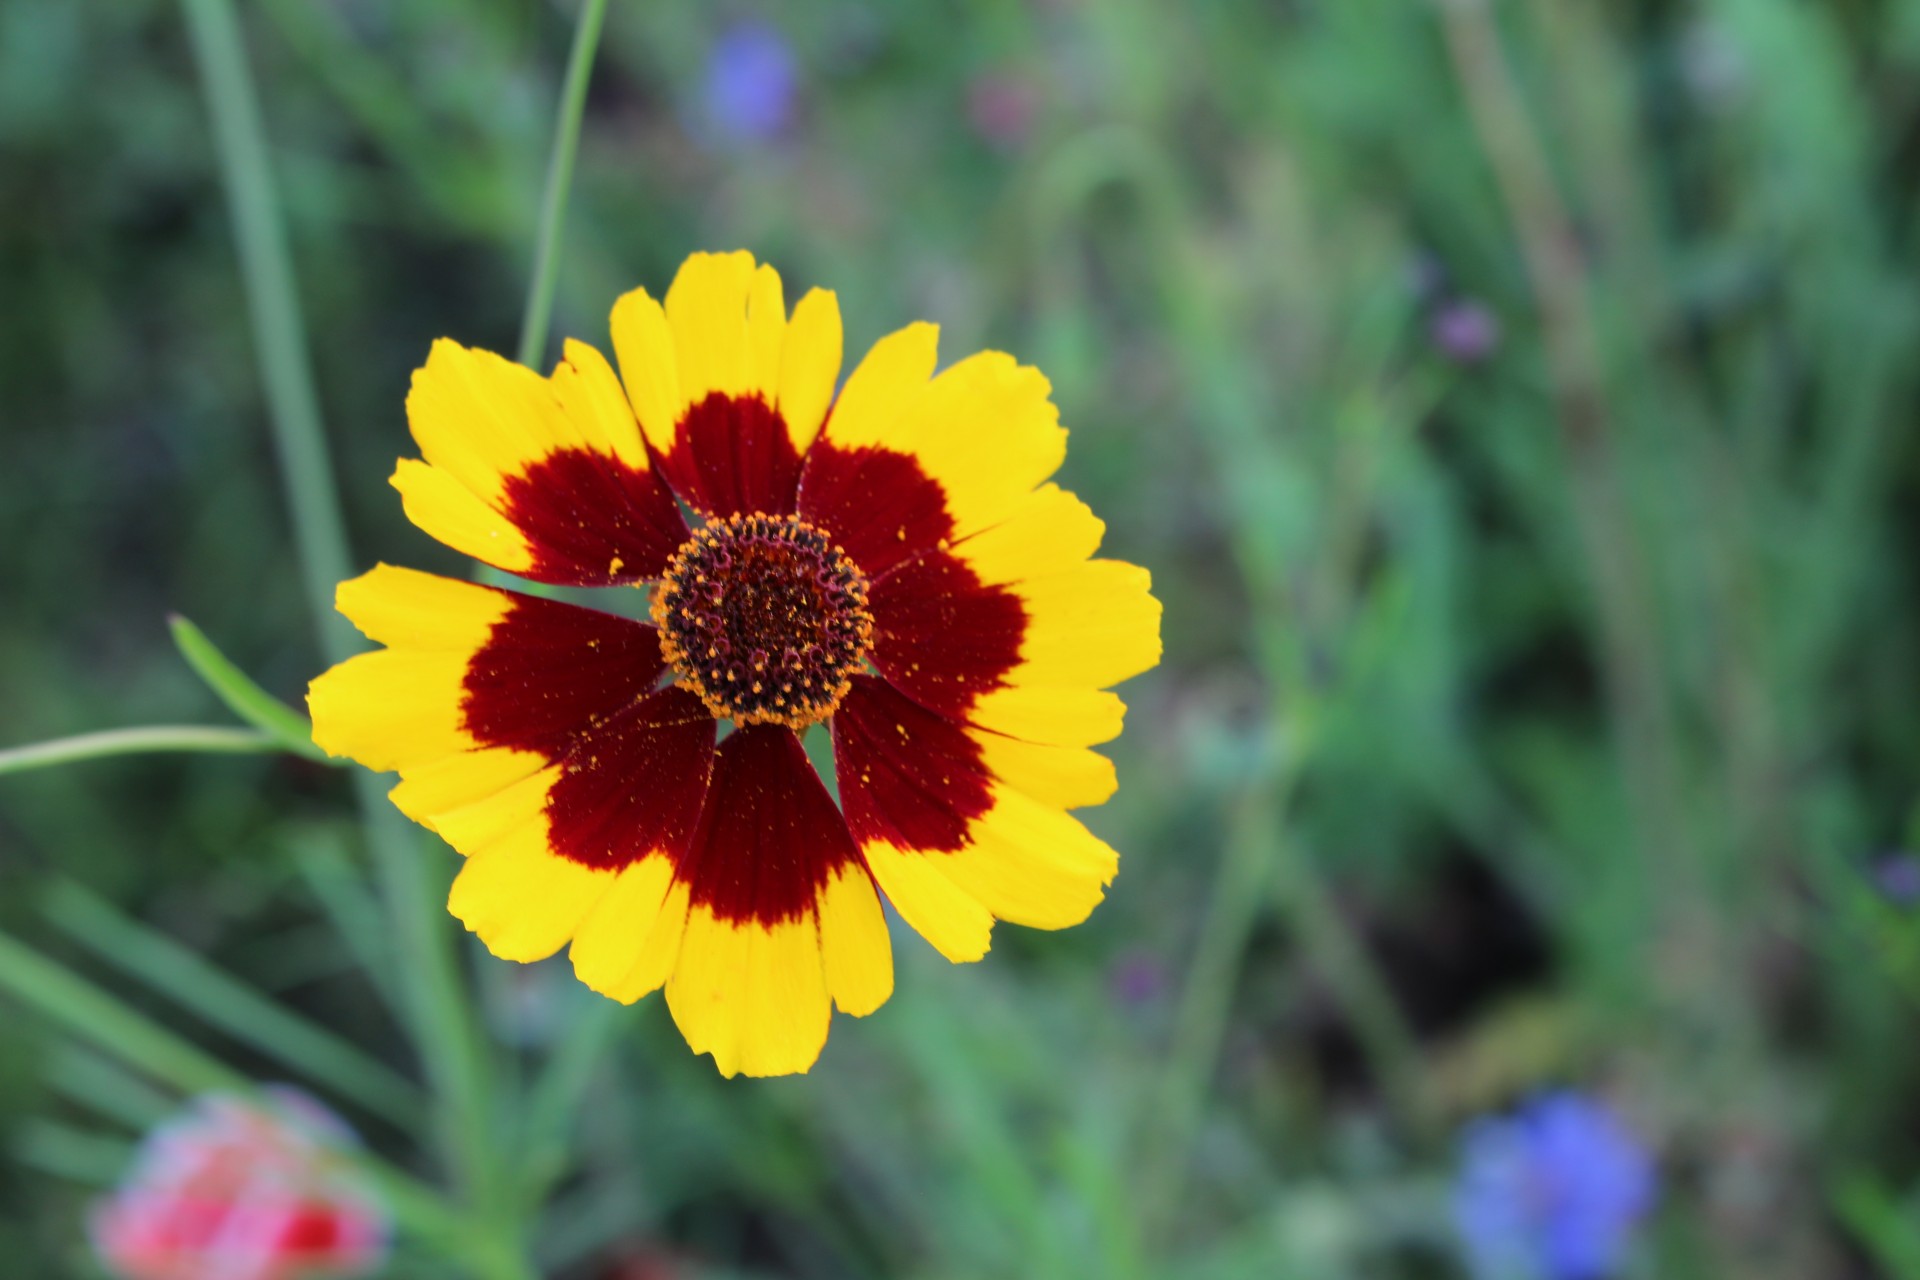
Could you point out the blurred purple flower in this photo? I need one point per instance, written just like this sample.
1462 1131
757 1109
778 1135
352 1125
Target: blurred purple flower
1897 877
752 81
1138 978
1465 330
1551 1192
1002 107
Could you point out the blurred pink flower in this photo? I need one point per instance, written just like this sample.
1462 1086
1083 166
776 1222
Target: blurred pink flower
233 1189
1002 106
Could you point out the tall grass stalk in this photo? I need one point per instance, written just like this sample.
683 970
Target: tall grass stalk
444 1030
1556 270
537 318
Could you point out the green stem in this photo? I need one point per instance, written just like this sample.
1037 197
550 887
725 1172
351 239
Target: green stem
536 320
1339 956
273 307
556 1095
123 742
243 697
445 1034
1206 998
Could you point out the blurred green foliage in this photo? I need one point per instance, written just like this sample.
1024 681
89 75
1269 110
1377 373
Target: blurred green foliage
1534 710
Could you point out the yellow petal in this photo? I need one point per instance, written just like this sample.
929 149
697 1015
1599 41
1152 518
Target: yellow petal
939 910
524 901
649 365
1062 717
853 938
879 391
1094 625
1030 864
1050 531
428 790
414 610
1068 777
754 996
766 332
443 508
608 948
482 418
809 366
988 432
707 311
390 709
592 399
515 812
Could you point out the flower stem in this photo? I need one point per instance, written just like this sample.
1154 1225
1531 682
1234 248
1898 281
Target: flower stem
536 320
147 738
444 1030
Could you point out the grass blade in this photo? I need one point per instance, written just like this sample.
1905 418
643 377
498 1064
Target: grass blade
442 1022
553 205
230 1005
241 695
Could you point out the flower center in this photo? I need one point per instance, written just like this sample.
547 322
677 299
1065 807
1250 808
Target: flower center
765 619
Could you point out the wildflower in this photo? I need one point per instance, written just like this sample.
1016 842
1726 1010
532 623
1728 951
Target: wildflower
234 1190
1897 877
1551 1192
888 562
751 83
1002 108
1138 979
1465 330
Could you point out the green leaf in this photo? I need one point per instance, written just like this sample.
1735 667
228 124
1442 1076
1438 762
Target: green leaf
93 1080
77 1155
243 697
353 910
86 1011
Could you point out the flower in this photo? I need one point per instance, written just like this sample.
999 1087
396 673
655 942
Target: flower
1551 1192
1465 330
888 561
237 1190
751 83
1002 107
1897 877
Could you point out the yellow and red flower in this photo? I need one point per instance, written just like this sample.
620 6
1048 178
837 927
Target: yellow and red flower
889 561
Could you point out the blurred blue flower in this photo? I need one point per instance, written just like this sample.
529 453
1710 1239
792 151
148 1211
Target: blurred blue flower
752 81
1551 1192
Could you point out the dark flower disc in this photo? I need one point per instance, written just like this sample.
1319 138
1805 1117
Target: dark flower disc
765 619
